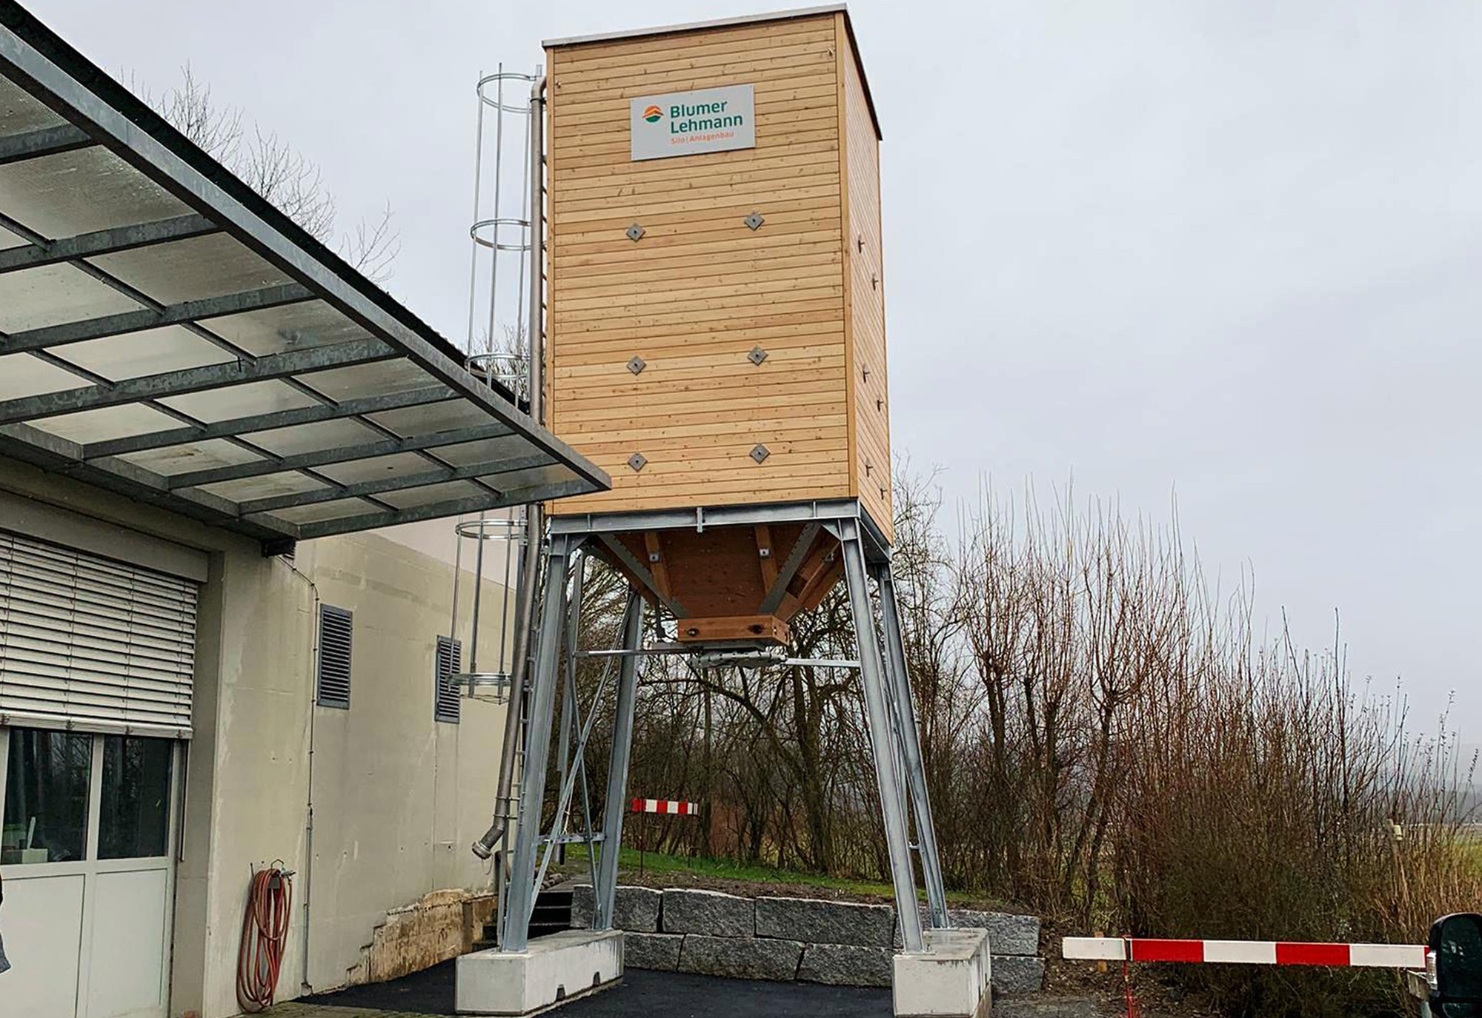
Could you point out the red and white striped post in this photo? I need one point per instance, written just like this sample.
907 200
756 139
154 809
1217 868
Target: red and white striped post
667 807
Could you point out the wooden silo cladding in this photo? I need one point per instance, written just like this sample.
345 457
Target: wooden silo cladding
700 289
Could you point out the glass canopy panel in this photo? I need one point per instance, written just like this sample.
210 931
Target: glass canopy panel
247 400
292 327
303 438
192 269
76 192
22 114
52 294
108 422
245 489
449 491
24 375
368 380
553 474
401 464
180 459
432 418
490 450
321 511
151 352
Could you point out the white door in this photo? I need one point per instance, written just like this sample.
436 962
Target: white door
87 856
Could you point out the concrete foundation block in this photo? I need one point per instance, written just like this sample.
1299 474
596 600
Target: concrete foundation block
708 913
950 979
845 965
1017 974
554 968
636 909
1007 933
740 958
825 922
652 951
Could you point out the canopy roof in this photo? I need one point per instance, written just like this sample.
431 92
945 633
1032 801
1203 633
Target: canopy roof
168 334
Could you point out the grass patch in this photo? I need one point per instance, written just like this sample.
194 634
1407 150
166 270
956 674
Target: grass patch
656 863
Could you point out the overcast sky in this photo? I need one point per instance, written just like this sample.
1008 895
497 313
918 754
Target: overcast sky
1228 253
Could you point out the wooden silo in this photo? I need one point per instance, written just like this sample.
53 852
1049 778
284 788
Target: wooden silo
716 326
714 338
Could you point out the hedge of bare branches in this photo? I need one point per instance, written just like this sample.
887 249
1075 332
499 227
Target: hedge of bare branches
1107 740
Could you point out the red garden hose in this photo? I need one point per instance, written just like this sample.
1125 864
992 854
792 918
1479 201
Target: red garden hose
264 934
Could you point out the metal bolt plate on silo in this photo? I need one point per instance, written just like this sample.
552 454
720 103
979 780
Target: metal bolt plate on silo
760 452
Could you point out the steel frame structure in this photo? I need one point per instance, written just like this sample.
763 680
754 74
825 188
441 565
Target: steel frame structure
86 113
895 744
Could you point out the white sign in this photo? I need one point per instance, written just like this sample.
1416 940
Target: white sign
688 123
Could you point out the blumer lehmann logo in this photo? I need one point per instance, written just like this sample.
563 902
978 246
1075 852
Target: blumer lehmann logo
653 114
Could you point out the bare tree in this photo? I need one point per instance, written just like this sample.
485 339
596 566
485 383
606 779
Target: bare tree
275 170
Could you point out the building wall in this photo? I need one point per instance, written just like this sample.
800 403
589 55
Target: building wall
395 797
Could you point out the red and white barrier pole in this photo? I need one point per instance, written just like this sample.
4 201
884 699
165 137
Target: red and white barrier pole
672 807
1244 952
667 807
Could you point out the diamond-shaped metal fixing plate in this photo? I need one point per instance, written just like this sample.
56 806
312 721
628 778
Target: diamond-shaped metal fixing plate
760 452
757 355
754 221
635 232
636 364
637 461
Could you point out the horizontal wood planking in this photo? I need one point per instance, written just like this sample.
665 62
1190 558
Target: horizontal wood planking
700 289
872 467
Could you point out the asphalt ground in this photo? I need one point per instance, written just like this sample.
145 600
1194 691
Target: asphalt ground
644 994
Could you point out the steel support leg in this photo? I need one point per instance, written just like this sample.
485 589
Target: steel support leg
605 888
568 683
899 686
882 736
521 898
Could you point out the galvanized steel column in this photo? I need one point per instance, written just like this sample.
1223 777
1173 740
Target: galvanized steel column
905 713
605 891
882 738
521 900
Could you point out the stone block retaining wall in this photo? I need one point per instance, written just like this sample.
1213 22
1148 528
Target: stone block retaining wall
833 942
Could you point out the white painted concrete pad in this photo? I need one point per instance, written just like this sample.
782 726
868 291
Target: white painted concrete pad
950 979
553 970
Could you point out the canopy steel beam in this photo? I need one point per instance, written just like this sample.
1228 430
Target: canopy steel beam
180 383
473 504
238 426
46 142
88 245
343 454
480 471
51 452
138 321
